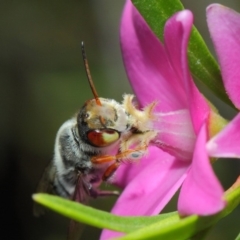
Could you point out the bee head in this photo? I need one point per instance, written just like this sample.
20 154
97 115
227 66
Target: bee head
102 125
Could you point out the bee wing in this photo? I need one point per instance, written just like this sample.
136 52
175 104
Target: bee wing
45 185
81 194
75 230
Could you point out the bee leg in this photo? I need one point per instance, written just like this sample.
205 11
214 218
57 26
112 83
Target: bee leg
110 170
103 159
131 154
102 193
128 154
108 193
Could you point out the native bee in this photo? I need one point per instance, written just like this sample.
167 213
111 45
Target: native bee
90 146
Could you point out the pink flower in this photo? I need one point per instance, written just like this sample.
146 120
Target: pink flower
160 72
224 27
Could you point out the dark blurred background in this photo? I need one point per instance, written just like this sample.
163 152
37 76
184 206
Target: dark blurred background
43 83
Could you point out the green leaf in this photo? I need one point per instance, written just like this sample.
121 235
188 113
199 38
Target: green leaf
203 66
238 237
164 226
186 227
98 218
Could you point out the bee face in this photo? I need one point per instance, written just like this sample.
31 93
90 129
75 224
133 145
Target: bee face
102 125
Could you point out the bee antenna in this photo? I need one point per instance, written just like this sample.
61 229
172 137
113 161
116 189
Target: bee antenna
89 75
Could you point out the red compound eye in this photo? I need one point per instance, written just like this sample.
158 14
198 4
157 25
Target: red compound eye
103 137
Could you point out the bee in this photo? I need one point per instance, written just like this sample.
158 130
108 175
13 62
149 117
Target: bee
90 146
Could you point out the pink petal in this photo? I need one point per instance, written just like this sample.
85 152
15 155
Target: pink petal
179 27
128 171
201 192
148 68
224 27
226 143
176 134
153 71
151 184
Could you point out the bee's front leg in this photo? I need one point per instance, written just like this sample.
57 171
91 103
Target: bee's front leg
129 155
94 193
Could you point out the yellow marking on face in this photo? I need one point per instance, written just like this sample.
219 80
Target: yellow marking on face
110 137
